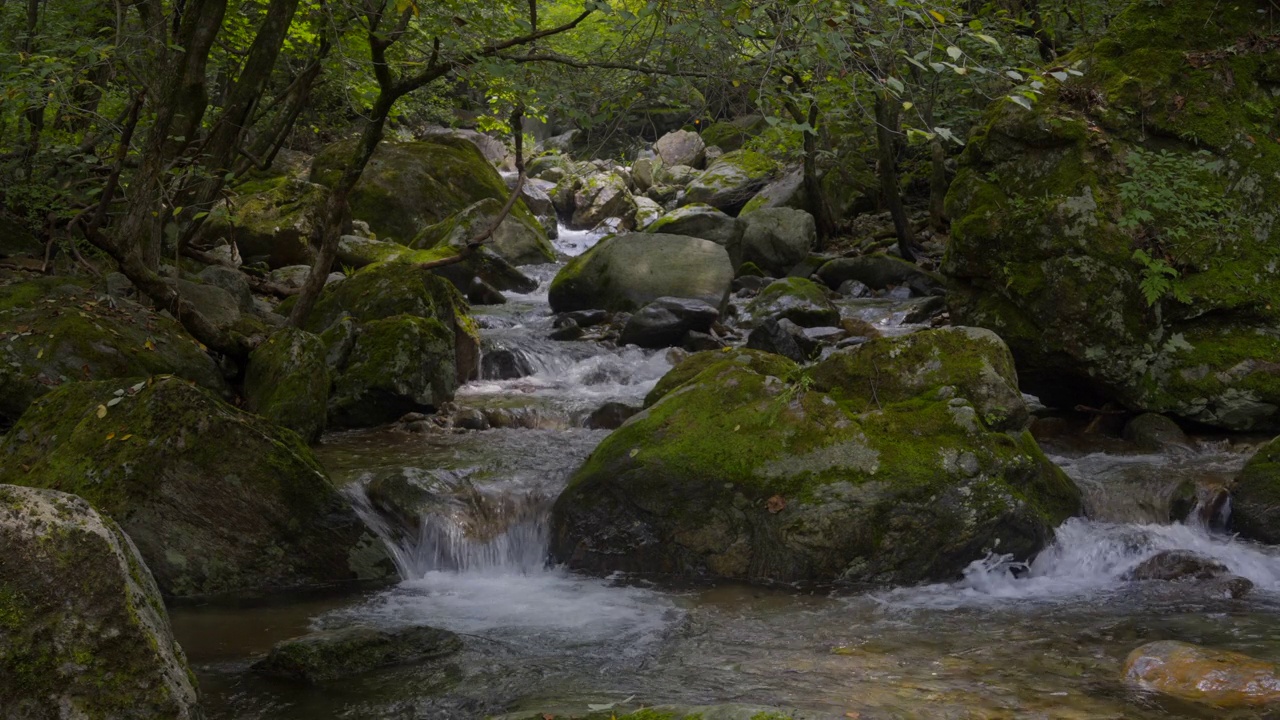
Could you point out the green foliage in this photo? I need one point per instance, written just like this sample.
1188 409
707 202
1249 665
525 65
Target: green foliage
1159 279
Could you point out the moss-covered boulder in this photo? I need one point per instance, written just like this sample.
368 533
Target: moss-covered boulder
726 135
700 221
329 655
775 239
277 219
732 180
600 197
55 330
625 272
1120 236
516 240
217 500
287 382
898 461
801 301
1255 496
408 186
83 631
406 342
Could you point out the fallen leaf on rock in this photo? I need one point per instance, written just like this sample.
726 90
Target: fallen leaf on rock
110 435
102 411
775 504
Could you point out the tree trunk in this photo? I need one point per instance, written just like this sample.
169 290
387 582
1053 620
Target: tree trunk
817 200
886 141
937 187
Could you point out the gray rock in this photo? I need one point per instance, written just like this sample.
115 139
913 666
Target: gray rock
854 289
801 301
231 280
675 175
775 239
665 321
879 272
785 192
516 240
292 276
602 196
470 419
1154 432
782 337
681 147
336 654
647 211
628 271
1172 565
482 293
731 181
701 221
610 416
644 172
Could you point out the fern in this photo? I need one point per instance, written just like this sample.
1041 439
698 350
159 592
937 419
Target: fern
1159 279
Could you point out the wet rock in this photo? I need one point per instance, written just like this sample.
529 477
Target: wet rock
287 382
746 468
926 310
53 332
801 301
782 337
337 654
470 419
774 239
732 180
626 272
1224 680
585 318
680 147
409 186
218 501
568 331
482 293
518 240
854 289
504 364
398 364
603 196
83 633
1154 432
610 416
277 219
695 341
751 284
664 322
1255 496
700 221
1172 565
879 272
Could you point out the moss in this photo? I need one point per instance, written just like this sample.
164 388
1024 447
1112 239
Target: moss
800 300
725 135
399 364
1255 496
287 382
749 269
515 240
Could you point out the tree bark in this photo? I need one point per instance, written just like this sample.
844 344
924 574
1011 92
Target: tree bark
938 187
887 130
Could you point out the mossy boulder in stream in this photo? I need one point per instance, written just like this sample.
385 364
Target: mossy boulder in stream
732 180
55 331
803 302
515 240
1255 496
217 500
1120 236
409 346
408 186
625 272
287 382
83 632
898 461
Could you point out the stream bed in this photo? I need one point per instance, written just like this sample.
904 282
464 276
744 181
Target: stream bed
1046 644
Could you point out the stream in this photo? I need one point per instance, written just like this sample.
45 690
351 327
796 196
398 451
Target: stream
1046 644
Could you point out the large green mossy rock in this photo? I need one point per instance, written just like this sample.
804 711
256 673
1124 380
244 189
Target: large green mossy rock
1163 145
277 218
732 180
1255 496
899 461
625 272
413 342
515 240
408 186
55 330
83 631
217 500
287 382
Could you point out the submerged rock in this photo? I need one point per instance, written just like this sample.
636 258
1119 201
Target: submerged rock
1044 232
1178 565
625 272
1225 680
337 654
898 461
83 632
217 500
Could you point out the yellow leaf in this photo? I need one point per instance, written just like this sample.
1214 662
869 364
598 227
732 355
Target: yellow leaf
149 345
635 451
937 16
102 411
110 435
40 354
125 437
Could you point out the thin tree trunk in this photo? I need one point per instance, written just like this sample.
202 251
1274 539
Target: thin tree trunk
937 187
886 133
817 199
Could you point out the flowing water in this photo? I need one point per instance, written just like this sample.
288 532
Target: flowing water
1044 642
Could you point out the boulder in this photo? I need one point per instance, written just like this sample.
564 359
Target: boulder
329 655
399 364
625 272
787 191
217 500
610 416
1050 207
493 149
1221 679
676 176
680 147
898 461
536 195
801 301
731 180
644 172
550 167
647 211
726 135
600 197
700 221
1170 565
53 331
287 382
774 239
516 240
783 337
879 271
1255 496
295 276
664 322
1154 432
358 252
275 219
408 186
83 631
